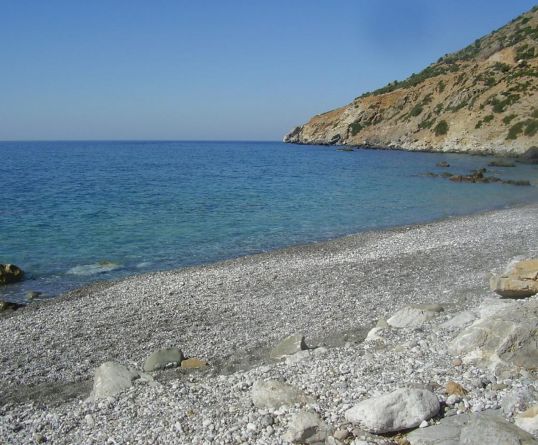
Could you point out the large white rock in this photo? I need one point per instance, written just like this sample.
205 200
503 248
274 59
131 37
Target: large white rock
111 378
460 320
306 427
399 410
504 341
491 306
414 315
274 394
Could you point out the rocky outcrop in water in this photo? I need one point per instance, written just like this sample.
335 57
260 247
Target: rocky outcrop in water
9 273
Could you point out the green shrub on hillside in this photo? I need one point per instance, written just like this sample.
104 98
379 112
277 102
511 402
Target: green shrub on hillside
532 127
502 67
515 131
441 128
415 79
524 52
500 105
520 87
416 110
528 128
355 128
426 123
459 106
427 99
509 118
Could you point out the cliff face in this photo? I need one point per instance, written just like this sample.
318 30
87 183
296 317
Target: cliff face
482 99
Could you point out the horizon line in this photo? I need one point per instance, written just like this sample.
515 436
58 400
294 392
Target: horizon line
140 140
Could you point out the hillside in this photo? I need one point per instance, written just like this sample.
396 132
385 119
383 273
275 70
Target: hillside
482 99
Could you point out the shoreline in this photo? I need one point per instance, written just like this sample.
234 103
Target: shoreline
529 156
52 282
103 284
295 252
232 312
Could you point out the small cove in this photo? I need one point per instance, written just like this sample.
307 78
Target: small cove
78 212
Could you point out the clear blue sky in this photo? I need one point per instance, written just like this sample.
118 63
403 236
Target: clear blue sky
113 69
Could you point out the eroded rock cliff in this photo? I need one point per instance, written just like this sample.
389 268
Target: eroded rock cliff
482 99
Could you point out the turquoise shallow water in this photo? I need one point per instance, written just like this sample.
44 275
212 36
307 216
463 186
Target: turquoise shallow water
76 212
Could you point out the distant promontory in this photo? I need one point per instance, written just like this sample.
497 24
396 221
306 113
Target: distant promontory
482 99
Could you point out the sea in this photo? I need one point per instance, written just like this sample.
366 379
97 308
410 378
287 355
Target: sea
73 213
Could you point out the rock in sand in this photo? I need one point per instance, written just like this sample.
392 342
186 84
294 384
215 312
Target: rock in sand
111 378
193 363
414 315
453 388
163 358
306 427
290 345
399 410
520 280
274 394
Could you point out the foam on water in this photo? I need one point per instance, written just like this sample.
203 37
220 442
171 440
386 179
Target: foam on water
93 269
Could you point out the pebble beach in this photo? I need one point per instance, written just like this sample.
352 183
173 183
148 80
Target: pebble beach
233 313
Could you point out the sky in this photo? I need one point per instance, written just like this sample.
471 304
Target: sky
213 69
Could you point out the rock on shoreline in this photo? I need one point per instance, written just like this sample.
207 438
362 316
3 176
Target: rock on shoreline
9 273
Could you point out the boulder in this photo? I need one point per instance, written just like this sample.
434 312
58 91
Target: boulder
306 427
9 306
163 358
460 320
414 315
111 378
471 429
520 280
528 420
396 411
444 164
504 341
290 345
274 394
9 273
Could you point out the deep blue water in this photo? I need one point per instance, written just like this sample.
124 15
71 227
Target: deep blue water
66 207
